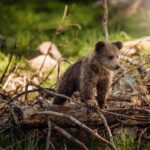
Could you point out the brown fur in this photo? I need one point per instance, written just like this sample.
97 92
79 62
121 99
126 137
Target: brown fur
90 73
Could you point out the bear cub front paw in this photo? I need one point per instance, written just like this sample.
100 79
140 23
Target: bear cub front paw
92 104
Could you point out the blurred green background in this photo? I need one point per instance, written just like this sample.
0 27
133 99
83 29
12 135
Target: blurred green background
25 20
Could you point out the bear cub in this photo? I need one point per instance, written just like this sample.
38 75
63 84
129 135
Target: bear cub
91 74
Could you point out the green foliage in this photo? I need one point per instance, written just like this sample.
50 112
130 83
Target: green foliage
33 141
124 141
28 20
22 20
13 141
4 61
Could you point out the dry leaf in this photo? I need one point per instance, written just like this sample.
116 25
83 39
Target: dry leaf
142 89
135 101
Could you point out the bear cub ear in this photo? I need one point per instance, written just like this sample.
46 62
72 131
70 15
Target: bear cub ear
118 44
99 45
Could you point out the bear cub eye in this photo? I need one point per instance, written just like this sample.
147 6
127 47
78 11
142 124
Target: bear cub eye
110 57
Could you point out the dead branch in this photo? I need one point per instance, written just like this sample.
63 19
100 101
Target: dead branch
87 117
39 71
83 126
10 75
105 21
70 137
78 103
81 104
127 73
65 13
58 68
141 133
9 62
15 118
58 29
55 94
48 135
108 129
135 63
140 94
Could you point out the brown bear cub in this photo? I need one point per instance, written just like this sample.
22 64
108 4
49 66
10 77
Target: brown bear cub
91 74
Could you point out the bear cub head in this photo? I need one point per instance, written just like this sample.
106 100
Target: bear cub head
107 54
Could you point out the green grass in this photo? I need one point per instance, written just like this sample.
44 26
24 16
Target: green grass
18 141
124 141
33 140
23 20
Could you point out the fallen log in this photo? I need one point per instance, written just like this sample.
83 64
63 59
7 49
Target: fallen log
28 116
77 115
73 115
87 117
133 47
